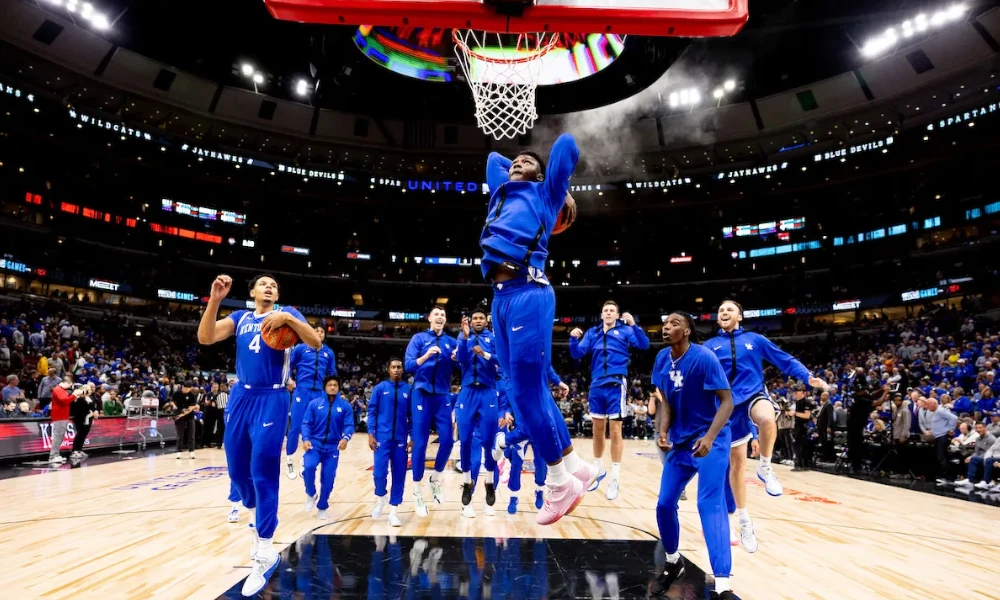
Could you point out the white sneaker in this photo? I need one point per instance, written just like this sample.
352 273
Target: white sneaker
597 481
468 512
734 538
965 483
264 565
234 516
179 456
323 515
311 502
191 455
255 542
394 520
58 459
75 456
612 492
290 471
499 443
419 505
489 511
995 488
504 465
436 492
379 507
771 483
788 463
747 537
982 485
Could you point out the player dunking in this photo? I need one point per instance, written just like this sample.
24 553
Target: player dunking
524 204
697 407
742 354
309 368
257 410
608 345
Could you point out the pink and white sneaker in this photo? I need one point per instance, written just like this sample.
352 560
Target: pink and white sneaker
504 465
587 475
560 500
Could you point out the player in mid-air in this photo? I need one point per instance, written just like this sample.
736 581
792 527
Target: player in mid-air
309 368
608 345
742 354
428 359
476 406
389 423
327 426
525 202
695 419
257 410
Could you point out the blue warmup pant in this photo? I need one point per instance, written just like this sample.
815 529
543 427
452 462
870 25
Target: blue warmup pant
234 494
385 573
476 461
297 411
730 498
515 454
312 459
680 467
522 326
391 453
476 412
254 431
427 407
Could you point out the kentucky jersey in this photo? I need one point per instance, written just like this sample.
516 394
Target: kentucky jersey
257 364
688 385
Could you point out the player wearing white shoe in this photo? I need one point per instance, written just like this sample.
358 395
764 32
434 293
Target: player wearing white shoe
608 345
389 423
742 354
234 509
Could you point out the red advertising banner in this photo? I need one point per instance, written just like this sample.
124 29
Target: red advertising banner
34 436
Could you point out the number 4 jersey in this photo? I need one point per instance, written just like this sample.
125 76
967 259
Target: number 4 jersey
257 364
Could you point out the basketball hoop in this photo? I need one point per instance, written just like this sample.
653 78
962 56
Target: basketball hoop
503 71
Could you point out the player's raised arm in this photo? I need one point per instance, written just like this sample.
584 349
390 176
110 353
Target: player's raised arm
580 343
212 329
497 170
785 362
562 163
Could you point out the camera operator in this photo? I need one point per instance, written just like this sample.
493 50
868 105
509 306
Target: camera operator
858 414
187 403
785 422
803 416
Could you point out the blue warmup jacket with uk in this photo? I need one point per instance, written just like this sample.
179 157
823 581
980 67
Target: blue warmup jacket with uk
518 226
389 411
311 366
478 370
326 423
742 354
434 376
609 351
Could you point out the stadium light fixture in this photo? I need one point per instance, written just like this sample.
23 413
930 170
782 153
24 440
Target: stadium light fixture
247 69
909 28
258 78
729 85
718 93
302 87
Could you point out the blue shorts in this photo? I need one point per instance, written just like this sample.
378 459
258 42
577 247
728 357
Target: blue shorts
740 425
608 401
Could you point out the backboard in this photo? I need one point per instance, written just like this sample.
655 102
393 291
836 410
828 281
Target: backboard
675 18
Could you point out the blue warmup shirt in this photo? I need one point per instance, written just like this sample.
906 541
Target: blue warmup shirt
311 366
522 214
389 411
477 370
258 365
434 376
609 357
742 354
689 389
326 422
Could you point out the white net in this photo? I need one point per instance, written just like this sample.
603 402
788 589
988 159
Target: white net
503 70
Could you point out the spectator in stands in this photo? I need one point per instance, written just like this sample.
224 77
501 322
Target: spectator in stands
994 425
4 356
839 414
23 410
785 423
984 446
11 391
112 407
62 398
943 423
9 410
577 410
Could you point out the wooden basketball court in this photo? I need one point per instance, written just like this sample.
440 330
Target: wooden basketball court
156 527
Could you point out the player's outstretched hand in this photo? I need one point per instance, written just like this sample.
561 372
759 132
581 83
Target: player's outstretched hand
221 287
702 446
816 382
577 333
274 320
372 444
628 318
570 203
342 445
465 326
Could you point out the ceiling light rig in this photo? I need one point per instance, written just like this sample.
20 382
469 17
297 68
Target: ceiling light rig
85 11
919 24
690 98
255 76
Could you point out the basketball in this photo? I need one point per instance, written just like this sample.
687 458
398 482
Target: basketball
280 338
562 221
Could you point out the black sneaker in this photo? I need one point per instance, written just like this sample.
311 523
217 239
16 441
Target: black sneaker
491 496
671 573
466 494
726 595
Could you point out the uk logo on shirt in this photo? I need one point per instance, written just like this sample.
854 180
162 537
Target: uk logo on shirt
340 410
615 332
678 379
749 346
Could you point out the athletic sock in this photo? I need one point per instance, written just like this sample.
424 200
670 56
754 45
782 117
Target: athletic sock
557 474
435 476
672 558
467 477
236 507
765 461
572 462
392 509
742 515
721 584
264 544
597 461
253 517
616 469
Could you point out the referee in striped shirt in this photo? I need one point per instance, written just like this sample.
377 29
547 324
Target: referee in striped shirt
221 399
